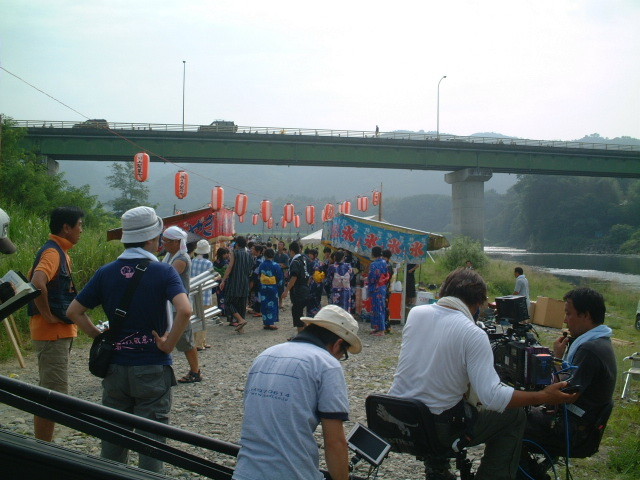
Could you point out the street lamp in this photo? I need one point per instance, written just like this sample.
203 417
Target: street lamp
184 70
438 113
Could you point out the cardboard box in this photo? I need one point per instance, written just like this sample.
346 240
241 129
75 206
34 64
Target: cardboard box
549 312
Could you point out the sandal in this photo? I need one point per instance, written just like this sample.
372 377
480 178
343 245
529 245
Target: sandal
270 327
240 326
191 377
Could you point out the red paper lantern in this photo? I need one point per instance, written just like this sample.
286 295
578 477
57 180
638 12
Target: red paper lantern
270 222
241 204
377 198
217 198
266 210
310 214
182 184
288 212
241 218
346 207
283 222
254 219
363 203
329 211
141 166
296 221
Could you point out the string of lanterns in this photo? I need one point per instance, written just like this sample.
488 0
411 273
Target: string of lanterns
289 216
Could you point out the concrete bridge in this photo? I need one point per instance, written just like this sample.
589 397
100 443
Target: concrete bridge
472 160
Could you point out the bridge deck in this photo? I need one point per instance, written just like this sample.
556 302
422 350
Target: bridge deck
310 147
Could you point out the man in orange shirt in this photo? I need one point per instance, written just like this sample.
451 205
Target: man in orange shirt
52 332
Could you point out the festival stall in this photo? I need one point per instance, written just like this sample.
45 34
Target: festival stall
214 226
360 235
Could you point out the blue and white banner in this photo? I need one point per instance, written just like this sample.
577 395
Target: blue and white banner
360 235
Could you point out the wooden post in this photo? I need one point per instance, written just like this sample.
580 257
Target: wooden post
12 337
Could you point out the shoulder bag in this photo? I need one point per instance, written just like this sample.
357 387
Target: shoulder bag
104 344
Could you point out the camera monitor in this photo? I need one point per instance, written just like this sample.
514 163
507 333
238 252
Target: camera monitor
513 308
367 444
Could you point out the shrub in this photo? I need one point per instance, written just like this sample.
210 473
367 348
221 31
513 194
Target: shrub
464 249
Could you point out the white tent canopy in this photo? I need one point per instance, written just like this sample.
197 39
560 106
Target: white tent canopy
313 238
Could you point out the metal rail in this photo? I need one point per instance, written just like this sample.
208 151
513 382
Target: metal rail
205 129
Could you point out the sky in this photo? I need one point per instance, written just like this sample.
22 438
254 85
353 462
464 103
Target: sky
551 69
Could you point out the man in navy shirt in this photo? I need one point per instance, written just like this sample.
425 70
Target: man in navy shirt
140 376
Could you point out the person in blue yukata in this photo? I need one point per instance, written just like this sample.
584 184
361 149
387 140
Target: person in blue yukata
315 282
377 290
339 275
271 280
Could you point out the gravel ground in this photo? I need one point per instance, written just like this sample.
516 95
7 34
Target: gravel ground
214 406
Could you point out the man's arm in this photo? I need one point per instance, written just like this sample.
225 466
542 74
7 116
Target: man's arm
551 395
227 272
336 450
77 314
167 342
40 280
180 266
292 282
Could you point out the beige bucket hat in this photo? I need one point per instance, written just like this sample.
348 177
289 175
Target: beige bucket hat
340 322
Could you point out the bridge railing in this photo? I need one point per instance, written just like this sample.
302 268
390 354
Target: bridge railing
224 128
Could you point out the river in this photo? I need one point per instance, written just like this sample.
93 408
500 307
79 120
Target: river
577 267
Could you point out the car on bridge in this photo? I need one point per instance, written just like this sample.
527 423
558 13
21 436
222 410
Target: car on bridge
225 126
93 123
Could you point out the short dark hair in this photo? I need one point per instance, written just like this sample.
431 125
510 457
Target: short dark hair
269 253
294 247
465 284
259 248
221 252
241 242
62 216
386 253
376 251
327 250
327 337
587 300
338 256
518 270
134 245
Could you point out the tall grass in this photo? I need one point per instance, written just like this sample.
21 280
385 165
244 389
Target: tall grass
619 456
29 232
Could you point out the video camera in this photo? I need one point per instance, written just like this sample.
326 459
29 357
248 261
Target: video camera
519 358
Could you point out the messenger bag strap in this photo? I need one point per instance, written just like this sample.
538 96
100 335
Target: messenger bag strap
121 311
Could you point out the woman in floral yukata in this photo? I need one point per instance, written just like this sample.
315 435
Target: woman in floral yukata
220 265
339 277
316 282
271 282
377 291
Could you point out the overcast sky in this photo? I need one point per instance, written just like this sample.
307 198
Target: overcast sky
550 69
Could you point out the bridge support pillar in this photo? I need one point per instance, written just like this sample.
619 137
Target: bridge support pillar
467 194
53 167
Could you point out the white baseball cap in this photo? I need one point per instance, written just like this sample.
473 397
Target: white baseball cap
6 245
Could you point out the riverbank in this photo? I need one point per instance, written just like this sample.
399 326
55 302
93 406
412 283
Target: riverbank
214 407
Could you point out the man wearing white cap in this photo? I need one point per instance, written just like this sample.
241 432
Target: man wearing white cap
174 240
291 388
199 265
140 376
6 245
